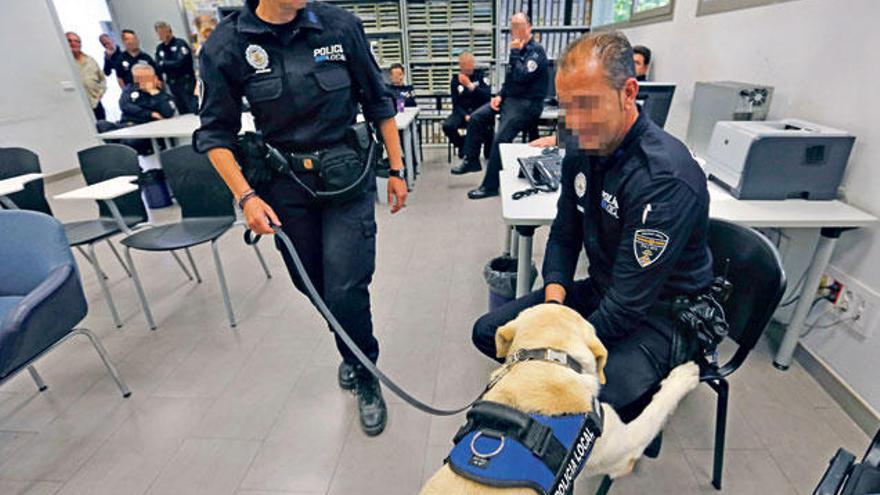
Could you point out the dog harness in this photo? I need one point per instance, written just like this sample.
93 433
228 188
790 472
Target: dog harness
502 447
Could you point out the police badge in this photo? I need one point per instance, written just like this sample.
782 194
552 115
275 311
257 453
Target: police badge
531 66
580 184
257 57
649 245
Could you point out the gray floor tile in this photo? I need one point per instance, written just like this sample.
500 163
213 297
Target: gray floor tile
745 472
8 487
206 466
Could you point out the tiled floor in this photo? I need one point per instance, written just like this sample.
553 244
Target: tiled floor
256 410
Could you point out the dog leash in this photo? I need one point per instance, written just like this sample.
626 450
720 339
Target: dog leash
251 239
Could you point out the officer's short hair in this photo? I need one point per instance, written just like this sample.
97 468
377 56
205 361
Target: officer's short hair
611 48
161 24
143 66
397 65
528 19
128 31
644 51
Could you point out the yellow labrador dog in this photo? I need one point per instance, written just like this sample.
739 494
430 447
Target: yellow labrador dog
550 389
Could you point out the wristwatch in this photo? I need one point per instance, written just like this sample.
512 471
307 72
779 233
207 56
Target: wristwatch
399 173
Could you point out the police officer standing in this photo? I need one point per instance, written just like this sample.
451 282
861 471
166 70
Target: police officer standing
131 56
112 54
304 67
470 89
520 102
175 61
633 197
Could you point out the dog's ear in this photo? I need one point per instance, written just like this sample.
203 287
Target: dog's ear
598 349
503 339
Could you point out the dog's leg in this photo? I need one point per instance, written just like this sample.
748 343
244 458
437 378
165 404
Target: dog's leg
622 444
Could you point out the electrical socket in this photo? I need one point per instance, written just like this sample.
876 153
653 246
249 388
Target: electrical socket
856 311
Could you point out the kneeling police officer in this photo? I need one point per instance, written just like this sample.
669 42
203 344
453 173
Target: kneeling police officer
303 69
635 200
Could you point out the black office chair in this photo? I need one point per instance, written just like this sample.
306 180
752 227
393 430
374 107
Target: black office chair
208 212
753 265
20 161
846 477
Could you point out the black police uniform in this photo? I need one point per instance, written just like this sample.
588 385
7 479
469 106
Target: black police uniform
137 106
642 215
127 61
525 87
304 81
404 92
110 61
176 67
464 102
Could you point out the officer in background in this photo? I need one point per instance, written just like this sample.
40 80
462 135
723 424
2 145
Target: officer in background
175 61
635 200
399 88
112 54
642 61
304 67
520 101
470 89
143 100
131 56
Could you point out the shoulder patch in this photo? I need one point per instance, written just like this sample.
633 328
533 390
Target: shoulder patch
649 245
531 66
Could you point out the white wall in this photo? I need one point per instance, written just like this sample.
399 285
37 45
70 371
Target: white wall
820 55
84 18
43 107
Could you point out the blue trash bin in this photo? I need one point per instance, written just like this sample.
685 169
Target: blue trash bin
155 188
500 275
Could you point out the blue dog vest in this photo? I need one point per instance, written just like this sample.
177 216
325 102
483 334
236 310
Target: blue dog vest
502 447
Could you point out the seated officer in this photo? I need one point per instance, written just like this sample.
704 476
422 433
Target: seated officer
470 89
399 88
634 198
520 103
143 101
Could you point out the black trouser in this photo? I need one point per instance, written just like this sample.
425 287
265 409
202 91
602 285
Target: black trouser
452 124
636 364
100 113
182 89
517 115
337 245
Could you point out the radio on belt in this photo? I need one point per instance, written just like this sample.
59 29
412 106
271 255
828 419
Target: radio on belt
778 160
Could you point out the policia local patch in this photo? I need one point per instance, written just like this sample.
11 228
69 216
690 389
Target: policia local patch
648 246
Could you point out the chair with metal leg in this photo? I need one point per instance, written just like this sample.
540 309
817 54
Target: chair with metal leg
753 265
83 235
208 212
41 297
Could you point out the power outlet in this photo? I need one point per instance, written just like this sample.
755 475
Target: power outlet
856 311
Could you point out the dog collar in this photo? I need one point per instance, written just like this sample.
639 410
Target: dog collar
548 355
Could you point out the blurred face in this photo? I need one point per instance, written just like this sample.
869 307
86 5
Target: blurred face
145 78
131 42
107 42
164 34
466 65
397 77
641 68
596 113
520 27
75 44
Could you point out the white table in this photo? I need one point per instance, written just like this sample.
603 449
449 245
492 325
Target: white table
106 191
183 126
13 185
831 218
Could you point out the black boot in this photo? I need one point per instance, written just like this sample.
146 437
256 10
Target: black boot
466 167
371 405
347 376
653 448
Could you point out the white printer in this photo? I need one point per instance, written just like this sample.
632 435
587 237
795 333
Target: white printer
777 160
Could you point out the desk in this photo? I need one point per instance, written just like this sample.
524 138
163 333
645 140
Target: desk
183 126
13 185
106 191
831 218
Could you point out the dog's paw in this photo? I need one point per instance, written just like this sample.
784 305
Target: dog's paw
684 377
